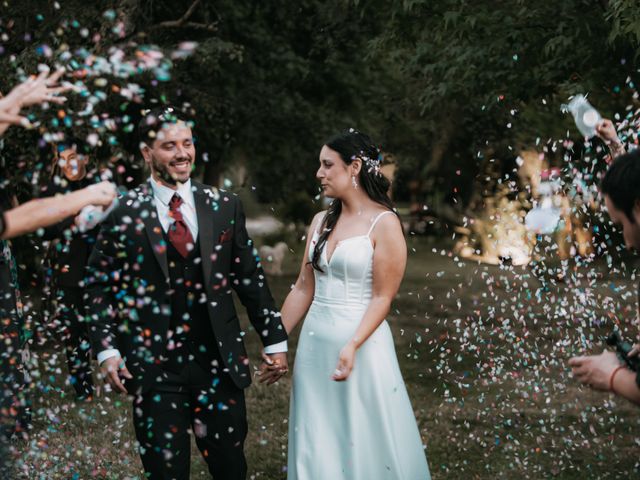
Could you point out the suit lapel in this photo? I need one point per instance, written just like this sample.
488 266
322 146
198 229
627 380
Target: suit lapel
153 228
204 213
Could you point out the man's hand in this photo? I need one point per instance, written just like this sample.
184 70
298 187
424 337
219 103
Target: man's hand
273 367
595 370
111 369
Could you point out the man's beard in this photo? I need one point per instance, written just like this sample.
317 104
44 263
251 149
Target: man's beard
163 174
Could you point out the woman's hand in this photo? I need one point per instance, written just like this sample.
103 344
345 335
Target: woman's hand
40 89
595 370
102 193
607 132
346 359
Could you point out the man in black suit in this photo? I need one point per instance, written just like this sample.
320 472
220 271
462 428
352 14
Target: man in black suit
161 310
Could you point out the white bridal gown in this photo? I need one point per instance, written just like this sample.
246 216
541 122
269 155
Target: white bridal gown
363 428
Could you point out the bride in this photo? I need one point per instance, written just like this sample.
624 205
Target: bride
350 415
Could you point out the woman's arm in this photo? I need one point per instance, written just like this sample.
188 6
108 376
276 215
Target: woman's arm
607 132
389 262
43 212
299 300
605 372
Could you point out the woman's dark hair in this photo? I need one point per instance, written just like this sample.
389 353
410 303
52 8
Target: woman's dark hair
621 183
352 145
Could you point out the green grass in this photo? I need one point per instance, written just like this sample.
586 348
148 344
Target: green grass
484 360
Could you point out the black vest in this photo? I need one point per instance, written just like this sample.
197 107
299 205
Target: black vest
192 338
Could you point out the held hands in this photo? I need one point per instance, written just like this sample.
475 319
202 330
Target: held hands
346 360
112 369
595 370
273 367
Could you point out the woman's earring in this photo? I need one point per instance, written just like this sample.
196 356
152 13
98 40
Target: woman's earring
353 181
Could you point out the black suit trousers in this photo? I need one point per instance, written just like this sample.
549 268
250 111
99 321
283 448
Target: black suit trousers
197 401
76 339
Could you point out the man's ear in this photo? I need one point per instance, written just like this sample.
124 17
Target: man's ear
146 152
636 211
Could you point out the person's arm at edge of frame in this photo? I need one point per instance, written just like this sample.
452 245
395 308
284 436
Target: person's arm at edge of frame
40 213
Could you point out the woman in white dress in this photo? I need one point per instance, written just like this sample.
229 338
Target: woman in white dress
350 415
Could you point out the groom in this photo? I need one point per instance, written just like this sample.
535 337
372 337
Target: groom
163 319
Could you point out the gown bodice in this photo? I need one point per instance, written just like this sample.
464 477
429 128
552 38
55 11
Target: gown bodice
347 275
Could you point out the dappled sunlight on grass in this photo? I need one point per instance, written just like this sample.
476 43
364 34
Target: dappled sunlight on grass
483 353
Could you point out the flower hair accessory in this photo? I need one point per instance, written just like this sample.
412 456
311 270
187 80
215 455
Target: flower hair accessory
372 164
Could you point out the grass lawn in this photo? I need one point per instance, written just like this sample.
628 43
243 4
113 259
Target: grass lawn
483 351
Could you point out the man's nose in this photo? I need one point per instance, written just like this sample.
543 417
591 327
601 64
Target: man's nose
182 152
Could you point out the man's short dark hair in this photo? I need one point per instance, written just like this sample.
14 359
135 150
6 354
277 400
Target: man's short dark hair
622 183
155 119
70 141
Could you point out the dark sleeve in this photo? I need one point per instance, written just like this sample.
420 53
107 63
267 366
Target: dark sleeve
104 270
56 230
250 283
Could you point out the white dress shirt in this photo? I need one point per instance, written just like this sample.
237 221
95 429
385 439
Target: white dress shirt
161 197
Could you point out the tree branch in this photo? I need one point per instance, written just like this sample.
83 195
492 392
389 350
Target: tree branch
183 22
212 27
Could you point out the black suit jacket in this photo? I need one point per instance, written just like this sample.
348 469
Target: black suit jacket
68 257
129 287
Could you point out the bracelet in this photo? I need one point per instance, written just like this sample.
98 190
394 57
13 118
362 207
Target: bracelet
613 374
616 147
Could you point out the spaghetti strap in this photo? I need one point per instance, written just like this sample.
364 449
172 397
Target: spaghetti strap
375 220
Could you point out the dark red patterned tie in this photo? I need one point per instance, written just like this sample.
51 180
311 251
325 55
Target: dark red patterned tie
179 233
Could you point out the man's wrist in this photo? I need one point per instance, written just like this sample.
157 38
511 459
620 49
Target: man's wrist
280 347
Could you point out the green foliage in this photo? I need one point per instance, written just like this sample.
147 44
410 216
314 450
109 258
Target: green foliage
269 81
486 76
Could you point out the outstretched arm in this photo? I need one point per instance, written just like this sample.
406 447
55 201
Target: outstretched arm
607 132
605 372
389 262
43 212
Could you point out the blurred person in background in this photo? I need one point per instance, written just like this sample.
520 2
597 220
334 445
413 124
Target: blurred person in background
67 258
620 188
